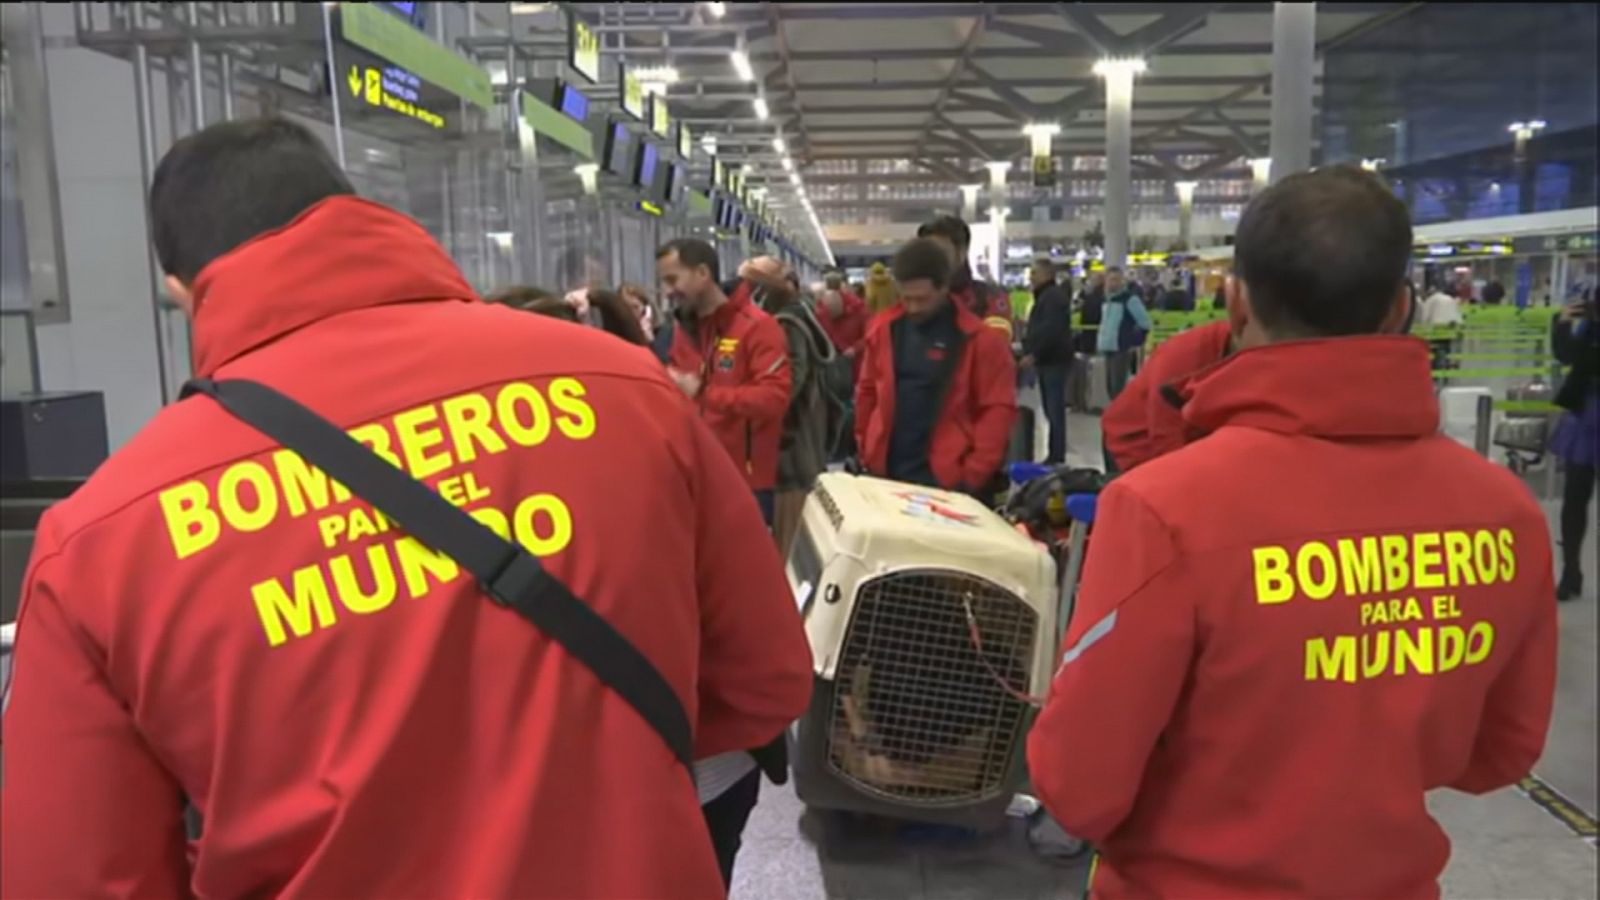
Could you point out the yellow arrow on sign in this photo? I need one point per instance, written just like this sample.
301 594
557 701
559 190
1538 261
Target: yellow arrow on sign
355 81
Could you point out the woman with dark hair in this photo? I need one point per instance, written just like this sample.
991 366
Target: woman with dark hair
603 309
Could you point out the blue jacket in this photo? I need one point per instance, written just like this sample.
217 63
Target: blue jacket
1111 319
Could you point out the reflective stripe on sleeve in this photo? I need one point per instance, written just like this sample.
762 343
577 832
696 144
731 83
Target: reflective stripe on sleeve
1090 638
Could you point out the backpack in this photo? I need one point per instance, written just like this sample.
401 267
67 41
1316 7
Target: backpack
831 375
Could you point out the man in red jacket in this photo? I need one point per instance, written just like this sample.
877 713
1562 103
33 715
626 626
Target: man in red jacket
1290 631
1146 420
937 394
209 619
989 302
731 359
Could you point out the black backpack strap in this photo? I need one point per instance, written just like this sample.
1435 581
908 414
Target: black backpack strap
511 575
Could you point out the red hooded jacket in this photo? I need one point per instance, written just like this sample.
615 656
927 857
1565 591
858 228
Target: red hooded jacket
742 358
970 439
1289 632
1144 422
208 619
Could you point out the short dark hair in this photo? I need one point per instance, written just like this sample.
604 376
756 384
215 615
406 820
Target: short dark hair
220 187
922 258
693 252
1323 253
522 296
948 227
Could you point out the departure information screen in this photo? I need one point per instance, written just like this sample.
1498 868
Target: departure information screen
376 92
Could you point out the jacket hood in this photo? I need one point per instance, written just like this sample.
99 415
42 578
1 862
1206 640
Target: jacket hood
1360 387
342 254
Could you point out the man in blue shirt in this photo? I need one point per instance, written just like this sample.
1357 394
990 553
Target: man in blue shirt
1123 326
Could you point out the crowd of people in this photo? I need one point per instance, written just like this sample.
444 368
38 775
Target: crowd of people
209 625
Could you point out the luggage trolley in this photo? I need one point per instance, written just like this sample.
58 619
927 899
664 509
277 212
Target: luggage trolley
1073 497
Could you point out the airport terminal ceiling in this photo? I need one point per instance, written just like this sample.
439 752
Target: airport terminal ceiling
888 108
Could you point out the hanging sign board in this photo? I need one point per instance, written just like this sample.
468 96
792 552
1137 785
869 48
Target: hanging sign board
685 141
1044 171
388 70
660 116
583 49
632 93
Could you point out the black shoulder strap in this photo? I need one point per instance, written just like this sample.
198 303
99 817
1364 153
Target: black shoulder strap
511 575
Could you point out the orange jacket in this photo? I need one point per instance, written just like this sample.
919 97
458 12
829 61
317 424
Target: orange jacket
1289 632
209 619
1146 419
974 429
742 358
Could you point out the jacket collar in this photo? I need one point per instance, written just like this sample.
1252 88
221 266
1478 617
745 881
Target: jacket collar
965 320
1360 387
340 255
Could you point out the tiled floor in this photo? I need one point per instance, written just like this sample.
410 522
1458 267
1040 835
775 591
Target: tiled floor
1504 845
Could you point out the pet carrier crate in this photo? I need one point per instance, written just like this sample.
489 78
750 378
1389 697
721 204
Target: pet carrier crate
932 623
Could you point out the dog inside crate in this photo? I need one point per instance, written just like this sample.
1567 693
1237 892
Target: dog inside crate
923 709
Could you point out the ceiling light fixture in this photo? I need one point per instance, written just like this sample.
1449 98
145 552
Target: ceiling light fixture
717 10
779 145
664 74
1107 67
788 164
741 64
763 112
1049 128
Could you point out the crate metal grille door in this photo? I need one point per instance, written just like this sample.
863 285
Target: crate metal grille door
918 717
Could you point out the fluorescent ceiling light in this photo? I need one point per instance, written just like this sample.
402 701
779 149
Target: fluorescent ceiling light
741 64
763 112
794 178
788 164
1049 128
1107 66
717 10
778 144
663 74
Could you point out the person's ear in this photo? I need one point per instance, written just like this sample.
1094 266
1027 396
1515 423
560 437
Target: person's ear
1241 314
180 294
1398 321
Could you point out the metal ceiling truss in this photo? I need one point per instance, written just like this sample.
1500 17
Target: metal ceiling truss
945 140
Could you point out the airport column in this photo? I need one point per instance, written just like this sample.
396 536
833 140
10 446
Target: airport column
1118 74
1294 47
1185 191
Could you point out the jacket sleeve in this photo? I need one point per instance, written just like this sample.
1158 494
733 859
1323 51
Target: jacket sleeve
1126 422
1516 712
1136 308
867 387
1128 650
755 660
88 809
995 387
764 397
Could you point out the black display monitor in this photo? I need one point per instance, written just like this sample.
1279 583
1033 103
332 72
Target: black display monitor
647 160
618 157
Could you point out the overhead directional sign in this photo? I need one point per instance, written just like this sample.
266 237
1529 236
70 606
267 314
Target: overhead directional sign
583 49
396 41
